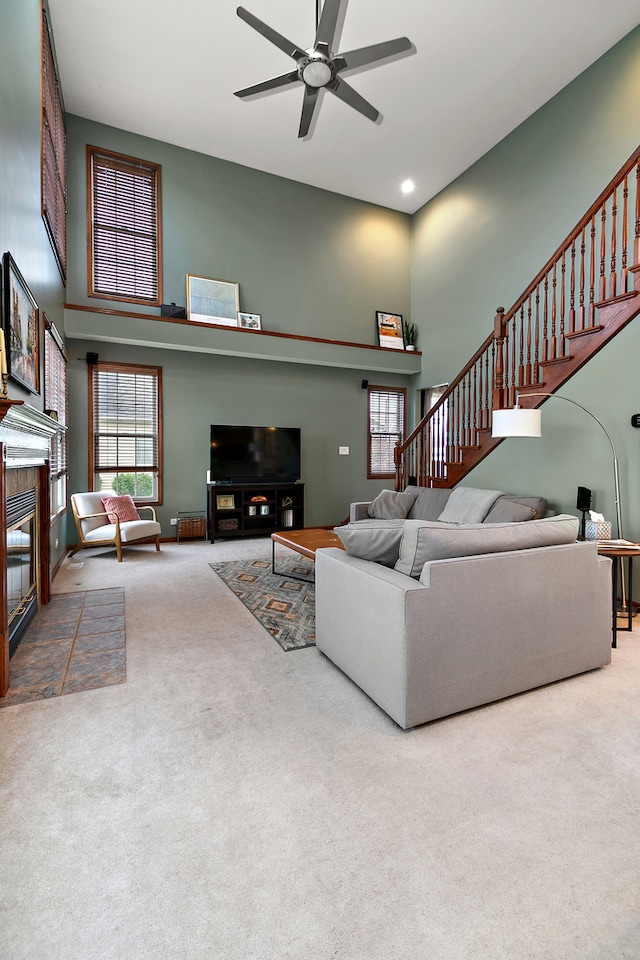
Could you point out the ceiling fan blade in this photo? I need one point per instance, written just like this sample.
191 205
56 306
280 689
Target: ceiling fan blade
272 84
291 49
327 25
349 95
365 55
308 107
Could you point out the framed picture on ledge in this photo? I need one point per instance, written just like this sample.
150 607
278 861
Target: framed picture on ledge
250 321
21 325
390 330
212 301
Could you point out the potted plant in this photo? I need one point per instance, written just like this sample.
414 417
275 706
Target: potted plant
410 334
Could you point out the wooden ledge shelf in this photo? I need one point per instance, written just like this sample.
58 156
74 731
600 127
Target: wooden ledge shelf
167 333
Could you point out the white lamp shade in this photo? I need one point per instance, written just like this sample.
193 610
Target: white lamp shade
516 423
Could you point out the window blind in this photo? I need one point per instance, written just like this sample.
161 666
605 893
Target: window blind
125 248
386 428
126 429
56 399
54 153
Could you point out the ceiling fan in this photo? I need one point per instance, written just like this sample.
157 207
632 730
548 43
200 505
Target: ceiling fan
318 67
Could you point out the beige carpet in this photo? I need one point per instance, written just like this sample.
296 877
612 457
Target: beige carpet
233 802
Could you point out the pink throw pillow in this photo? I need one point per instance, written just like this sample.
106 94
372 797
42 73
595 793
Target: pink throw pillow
121 507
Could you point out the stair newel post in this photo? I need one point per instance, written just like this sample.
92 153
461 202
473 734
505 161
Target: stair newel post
399 462
499 392
545 320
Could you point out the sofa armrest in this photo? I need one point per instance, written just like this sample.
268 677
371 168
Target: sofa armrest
358 511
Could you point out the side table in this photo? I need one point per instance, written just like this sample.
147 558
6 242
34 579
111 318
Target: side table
618 554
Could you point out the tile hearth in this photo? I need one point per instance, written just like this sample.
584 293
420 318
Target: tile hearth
76 642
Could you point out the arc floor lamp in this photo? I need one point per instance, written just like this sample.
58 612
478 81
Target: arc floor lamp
522 422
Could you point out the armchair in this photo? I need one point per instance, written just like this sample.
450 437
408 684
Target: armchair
96 529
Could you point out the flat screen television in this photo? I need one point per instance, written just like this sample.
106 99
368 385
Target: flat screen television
254 454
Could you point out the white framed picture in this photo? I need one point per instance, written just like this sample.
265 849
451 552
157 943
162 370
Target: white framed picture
212 301
250 321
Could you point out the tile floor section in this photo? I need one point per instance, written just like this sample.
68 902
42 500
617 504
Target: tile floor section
75 642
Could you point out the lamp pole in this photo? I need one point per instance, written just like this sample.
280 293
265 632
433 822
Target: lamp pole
616 476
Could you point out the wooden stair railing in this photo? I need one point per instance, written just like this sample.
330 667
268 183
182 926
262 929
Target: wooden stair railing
584 295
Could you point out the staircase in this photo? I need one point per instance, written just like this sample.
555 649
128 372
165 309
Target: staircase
585 294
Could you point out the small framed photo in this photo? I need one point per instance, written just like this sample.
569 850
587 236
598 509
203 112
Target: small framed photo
250 321
212 301
390 330
225 501
21 325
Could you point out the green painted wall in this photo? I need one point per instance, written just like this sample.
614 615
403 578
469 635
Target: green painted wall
22 230
479 243
311 262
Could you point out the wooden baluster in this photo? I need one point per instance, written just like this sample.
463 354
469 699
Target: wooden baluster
581 314
475 403
545 320
636 246
572 290
624 271
554 293
592 273
528 373
521 348
563 277
511 342
602 290
614 244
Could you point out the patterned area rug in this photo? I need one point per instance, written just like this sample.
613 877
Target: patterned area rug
286 607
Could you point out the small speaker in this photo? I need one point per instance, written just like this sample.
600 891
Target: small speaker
365 384
171 310
584 499
92 358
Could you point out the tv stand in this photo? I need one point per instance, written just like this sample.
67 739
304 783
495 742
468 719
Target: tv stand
253 509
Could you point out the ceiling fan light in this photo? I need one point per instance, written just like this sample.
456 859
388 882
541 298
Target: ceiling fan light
316 73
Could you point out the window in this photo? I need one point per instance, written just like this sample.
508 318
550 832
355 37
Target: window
386 428
125 250
126 430
56 404
53 153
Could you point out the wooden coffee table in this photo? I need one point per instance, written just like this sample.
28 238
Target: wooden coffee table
304 542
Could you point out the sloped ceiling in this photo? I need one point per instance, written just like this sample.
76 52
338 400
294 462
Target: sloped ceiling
168 70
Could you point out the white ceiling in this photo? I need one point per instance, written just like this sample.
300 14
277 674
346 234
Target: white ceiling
168 69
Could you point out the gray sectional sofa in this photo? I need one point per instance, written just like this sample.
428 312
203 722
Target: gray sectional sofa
430 617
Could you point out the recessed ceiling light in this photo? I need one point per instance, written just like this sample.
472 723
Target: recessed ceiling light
408 186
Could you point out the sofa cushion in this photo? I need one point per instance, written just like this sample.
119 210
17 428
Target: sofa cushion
505 510
377 540
423 541
122 507
391 505
469 505
429 502
516 508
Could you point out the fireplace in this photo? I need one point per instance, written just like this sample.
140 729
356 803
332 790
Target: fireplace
22 565
25 437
